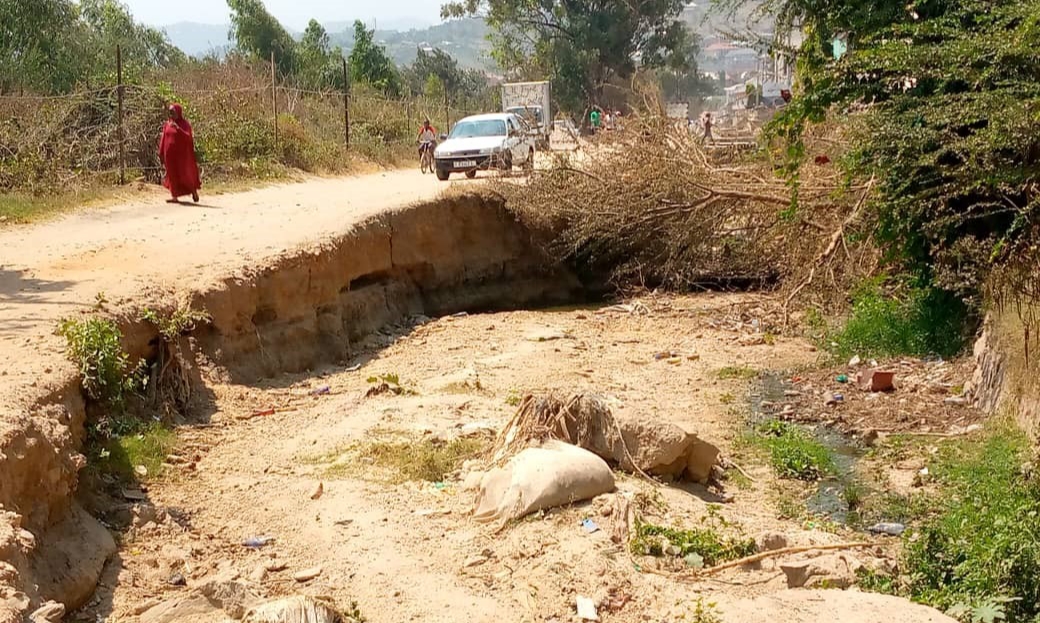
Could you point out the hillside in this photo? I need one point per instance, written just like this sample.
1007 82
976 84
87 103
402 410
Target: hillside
465 40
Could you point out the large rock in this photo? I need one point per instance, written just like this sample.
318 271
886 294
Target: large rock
661 449
830 571
67 568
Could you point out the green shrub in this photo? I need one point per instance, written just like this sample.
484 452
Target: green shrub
95 346
982 548
911 321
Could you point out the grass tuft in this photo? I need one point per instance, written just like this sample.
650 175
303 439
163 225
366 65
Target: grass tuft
793 453
407 460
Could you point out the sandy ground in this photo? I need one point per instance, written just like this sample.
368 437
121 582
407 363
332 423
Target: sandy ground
409 552
54 269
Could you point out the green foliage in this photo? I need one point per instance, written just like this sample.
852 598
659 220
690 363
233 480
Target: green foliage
258 34
732 372
43 45
138 444
321 66
793 453
981 550
173 324
899 322
143 48
95 346
582 46
708 543
369 63
946 98
704 612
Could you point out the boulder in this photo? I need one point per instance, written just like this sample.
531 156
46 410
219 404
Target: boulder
830 571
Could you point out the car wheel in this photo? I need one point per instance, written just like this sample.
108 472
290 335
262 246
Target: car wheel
471 174
443 175
506 162
529 163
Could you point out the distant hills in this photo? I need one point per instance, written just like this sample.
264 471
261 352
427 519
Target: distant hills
465 40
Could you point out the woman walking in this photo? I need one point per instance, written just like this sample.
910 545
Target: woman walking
177 152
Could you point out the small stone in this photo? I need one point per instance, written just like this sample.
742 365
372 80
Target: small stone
307 574
177 580
50 612
855 361
771 541
258 575
318 490
275 565
956 400
829 399
475 561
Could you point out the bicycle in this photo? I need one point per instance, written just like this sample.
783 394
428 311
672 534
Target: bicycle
426 157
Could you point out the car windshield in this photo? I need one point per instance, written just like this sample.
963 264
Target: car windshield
474 129
530 113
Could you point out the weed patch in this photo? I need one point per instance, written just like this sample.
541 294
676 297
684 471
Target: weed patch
95 346
914 321
793 453
733 372
408 460
707 544
147 447
976 553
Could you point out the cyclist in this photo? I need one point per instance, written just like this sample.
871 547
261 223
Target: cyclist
427 137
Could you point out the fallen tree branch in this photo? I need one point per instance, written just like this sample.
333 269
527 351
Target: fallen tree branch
781 552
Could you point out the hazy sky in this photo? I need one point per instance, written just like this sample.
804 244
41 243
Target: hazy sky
292 13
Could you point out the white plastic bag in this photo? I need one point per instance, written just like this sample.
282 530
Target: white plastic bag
554 474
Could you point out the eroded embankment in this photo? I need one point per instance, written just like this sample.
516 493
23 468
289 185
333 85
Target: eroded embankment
303 309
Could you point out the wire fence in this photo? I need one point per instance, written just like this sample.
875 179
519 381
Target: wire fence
246 123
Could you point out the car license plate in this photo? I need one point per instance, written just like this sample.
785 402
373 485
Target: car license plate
465 164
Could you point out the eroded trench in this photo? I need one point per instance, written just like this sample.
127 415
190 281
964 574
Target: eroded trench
298 329
464 253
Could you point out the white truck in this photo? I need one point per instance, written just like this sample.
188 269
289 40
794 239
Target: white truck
532 102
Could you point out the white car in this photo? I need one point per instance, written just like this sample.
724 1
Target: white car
483 142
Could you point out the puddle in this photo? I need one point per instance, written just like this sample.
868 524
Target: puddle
766 399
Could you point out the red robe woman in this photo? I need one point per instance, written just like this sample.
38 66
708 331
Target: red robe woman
177 152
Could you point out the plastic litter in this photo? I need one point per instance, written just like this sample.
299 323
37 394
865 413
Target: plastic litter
257 542
891 529
586 609
589 526
321 391
842 378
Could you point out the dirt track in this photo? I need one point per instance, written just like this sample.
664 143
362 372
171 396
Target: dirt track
51 270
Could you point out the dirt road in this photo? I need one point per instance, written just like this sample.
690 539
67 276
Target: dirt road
54 269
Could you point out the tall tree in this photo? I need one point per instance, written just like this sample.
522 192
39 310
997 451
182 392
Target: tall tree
257 33
369 62
43 45
582 45
110 24
320 63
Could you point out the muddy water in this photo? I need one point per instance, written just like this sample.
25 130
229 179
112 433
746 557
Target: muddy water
829 499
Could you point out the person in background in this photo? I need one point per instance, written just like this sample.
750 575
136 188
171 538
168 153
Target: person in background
177 153
427 136
594 119
706 122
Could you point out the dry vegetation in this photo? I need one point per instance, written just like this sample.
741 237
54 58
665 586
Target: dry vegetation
655 208
52 145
